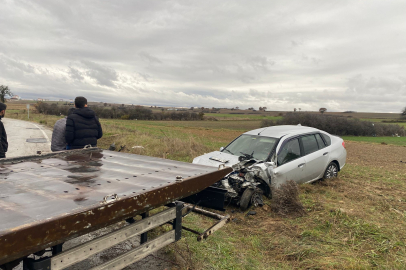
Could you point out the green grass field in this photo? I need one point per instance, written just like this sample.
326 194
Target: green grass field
225 116
243 125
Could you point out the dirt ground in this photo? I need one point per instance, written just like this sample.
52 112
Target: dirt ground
390 157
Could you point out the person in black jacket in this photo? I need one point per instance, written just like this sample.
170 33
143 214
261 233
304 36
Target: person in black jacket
82 126
3 134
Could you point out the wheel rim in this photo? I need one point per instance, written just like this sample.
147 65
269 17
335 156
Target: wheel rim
331 171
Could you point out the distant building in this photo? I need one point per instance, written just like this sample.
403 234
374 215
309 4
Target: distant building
60 99
40 99
15 97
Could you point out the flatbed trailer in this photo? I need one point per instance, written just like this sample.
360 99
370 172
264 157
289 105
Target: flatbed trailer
46 200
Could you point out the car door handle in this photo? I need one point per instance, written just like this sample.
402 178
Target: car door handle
325 153
300 165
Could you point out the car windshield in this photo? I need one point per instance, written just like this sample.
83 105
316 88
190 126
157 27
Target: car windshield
260 147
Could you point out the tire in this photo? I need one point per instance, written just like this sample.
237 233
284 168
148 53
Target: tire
331 171
246 197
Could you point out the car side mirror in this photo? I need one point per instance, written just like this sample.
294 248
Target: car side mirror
221 148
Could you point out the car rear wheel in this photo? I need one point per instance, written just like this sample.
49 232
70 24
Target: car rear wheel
331 171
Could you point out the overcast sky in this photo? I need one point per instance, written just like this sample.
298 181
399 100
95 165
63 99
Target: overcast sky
342 55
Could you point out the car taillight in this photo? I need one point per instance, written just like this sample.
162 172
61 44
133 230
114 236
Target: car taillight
343 144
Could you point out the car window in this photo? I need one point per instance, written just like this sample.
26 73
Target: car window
259 146
290 151
320 141
309 144
326 138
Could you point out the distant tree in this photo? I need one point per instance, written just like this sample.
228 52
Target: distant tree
105 104
237 108
322 110
201 115
4 91
294 109
192 108
403 114
300 109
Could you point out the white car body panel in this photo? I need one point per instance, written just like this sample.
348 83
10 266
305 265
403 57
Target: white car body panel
206 159
316 164
289 171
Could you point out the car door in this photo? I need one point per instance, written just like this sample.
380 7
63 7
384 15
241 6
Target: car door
316 157
290 163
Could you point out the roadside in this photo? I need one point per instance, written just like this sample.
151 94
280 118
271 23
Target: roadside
26 138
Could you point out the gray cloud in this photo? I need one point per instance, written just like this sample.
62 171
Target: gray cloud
75 74
149 58
342 55
103 75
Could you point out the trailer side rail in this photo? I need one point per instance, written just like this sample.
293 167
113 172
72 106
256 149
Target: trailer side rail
88 249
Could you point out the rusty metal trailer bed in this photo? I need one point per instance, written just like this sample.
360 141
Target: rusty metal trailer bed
48 199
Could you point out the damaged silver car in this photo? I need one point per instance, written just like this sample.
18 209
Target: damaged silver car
263 159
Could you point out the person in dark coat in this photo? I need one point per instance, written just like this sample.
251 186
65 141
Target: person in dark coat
82 126
3 134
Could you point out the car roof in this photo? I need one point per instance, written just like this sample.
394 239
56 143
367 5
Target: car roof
280 131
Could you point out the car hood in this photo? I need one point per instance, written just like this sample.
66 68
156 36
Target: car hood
216 158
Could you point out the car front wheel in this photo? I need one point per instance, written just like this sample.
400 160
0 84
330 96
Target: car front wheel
246 197
331 171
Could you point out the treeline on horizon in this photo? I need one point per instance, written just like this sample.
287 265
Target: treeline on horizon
126 113
337 125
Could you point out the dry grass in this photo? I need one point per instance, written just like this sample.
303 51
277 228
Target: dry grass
285 200
164 146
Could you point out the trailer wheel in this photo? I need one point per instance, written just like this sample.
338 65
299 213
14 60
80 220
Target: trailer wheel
246 197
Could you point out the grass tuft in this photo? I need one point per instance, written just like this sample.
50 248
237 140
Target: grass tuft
285 200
